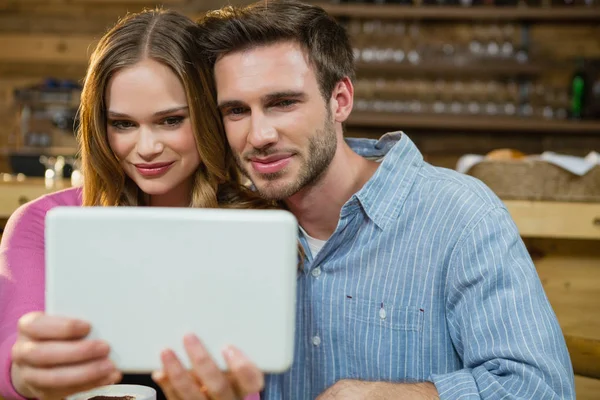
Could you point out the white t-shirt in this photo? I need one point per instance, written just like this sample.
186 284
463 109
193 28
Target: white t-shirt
315 245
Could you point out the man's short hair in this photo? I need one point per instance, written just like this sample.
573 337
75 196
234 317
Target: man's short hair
325 41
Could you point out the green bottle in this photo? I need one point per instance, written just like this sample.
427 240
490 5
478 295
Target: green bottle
579 89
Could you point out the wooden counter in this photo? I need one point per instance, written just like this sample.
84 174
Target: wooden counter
533 218
556 220
14 193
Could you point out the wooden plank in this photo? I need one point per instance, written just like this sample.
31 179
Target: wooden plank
572 285
36 9
40 71
453 13
565 247
585 355
557 41
441 68
570 274
555 219
24 22
144 2
57 49
587 388
397 121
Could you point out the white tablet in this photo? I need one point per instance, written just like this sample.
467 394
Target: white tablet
144 277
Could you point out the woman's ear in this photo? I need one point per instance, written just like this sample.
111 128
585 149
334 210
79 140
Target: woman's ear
342 100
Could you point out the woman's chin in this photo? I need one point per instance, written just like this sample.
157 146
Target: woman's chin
154 188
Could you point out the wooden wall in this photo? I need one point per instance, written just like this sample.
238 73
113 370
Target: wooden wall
53 38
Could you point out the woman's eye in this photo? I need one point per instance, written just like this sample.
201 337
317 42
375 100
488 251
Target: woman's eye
172 121
122 125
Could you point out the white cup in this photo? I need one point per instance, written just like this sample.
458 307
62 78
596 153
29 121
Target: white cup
138 392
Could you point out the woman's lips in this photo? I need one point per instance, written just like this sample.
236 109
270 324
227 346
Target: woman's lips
153 170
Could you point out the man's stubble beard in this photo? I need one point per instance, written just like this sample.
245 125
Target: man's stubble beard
321 150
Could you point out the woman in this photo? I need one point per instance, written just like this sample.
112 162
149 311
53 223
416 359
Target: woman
150 135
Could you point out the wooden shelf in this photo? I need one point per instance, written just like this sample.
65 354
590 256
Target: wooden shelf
48 151
558 220
486 68
454 13
469 123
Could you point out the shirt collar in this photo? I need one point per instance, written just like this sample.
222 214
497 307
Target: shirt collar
383 196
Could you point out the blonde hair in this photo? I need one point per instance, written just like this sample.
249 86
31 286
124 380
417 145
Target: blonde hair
165 37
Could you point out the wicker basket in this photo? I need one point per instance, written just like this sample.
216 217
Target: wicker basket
537 180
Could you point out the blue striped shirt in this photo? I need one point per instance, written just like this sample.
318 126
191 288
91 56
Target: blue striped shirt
424 279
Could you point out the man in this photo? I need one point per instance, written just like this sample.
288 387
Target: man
416 284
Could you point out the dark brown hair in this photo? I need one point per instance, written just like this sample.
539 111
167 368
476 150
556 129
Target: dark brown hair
165 37
325 41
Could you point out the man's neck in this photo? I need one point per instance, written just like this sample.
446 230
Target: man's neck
317 208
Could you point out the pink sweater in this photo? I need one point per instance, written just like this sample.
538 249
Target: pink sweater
22 277
22 272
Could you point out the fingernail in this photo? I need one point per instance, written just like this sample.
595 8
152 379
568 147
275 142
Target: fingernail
103 347
167 355
115 377
193 345
81 325
190 338
107 366
158 376
232 354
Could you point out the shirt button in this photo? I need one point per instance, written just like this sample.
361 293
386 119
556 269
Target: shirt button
316 340
382 313
316 272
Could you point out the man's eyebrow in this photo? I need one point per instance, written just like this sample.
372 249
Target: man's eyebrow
283 94
230 104
265 99
115 114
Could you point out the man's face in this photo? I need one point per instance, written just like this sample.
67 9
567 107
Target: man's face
278 125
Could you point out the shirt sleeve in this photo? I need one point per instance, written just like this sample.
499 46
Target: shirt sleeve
500 320
21 281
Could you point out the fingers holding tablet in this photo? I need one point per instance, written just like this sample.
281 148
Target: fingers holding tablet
51 357
205 380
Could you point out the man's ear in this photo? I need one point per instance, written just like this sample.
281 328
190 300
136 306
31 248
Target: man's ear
342 100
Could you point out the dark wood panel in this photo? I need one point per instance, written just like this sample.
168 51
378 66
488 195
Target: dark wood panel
383 11
470 123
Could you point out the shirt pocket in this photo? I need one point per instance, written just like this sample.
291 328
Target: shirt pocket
384 340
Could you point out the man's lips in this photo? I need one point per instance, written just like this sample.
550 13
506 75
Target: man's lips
271 158
271 164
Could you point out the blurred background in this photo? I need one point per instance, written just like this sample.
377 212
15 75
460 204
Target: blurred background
460 76
505 90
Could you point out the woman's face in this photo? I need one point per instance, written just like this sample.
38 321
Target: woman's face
150 131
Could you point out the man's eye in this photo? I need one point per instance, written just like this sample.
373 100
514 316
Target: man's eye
285 103
236 110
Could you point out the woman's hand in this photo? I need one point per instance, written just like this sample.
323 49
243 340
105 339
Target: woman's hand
205 380
52 359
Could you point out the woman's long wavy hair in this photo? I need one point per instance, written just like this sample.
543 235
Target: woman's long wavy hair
163 36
